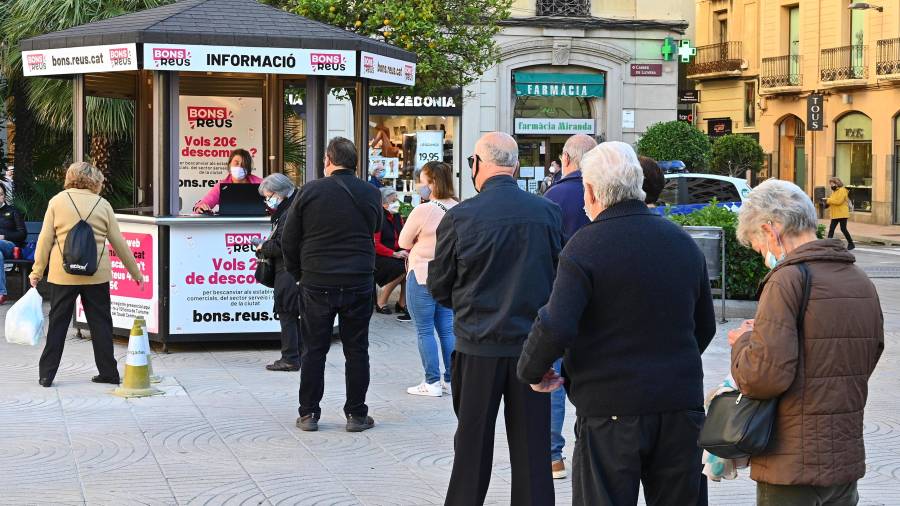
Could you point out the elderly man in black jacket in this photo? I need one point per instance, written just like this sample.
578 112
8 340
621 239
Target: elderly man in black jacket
630 314
494 265
328 248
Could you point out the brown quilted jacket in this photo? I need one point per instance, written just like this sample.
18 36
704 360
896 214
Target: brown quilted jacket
818 437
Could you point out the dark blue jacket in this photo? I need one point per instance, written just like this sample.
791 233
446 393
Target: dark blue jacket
568 194
630 314
494 265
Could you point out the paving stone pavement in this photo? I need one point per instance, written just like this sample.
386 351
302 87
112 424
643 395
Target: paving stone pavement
224 432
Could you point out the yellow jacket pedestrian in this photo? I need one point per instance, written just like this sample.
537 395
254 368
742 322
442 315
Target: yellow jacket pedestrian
838 203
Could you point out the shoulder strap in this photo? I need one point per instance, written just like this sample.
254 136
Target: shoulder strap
352 196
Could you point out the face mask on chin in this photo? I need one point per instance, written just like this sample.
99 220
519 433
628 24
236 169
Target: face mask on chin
834 188
771 260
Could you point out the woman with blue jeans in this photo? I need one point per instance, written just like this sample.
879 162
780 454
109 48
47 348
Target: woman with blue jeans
12 234
419 237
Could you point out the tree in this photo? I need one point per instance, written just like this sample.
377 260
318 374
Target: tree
676 140
453 39
733 155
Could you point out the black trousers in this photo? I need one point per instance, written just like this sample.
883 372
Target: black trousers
806 495
290 337
354 306
95 299
614 455
479 383
843 223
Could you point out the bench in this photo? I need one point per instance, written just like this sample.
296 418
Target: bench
23 265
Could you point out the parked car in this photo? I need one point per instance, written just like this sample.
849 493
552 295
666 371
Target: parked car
685 193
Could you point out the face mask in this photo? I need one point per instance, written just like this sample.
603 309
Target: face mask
834 188
394 207
379 174
273 202
424 192
553 169
771 260
238 173
475 176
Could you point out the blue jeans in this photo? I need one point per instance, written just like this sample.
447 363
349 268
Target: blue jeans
557 417
6 249
428 315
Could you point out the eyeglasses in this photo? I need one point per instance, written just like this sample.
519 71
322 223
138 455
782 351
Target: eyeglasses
472 159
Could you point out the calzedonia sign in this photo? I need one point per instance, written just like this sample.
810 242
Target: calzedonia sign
554 126
387 69
447 103
253 60
79 60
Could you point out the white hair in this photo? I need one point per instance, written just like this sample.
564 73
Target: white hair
278 184
776 201
614 172
386 192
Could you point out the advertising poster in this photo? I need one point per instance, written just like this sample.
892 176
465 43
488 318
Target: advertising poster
429 147
212 288
253 60
391 166
127 301
210 128
79 60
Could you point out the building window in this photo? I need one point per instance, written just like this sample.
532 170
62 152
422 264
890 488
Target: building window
569 8
853 158
721 27
750 104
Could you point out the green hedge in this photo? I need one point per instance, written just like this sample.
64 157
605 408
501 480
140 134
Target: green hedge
744 268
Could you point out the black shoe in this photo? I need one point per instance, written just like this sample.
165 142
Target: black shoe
404 317
45 382
359 423
104 379
383 310
280 365
308 423
851 247
398 308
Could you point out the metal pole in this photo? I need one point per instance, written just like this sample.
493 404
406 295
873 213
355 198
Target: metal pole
316 125
78 129
722 236
361 127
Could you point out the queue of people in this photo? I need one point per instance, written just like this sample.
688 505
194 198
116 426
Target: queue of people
528 300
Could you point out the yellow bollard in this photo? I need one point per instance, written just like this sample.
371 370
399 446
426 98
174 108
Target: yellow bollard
137 367
153 377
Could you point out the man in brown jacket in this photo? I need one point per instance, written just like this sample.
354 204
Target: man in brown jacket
816 454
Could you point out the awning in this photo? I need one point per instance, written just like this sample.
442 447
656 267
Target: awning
540 84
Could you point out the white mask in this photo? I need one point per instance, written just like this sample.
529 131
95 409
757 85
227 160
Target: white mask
238 173
394 207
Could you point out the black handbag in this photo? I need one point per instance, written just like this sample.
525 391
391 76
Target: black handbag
265 272
737 426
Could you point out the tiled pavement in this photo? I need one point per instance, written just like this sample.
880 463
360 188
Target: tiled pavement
224 433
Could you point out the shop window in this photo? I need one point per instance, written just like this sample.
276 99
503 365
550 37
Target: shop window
701 190
853 158
394 145
577 8
750 104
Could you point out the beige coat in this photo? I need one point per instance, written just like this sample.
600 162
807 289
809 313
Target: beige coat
818 437
60 218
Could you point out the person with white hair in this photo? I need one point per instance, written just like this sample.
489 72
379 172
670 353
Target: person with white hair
816 362
494 263
390 258
279 192
630 313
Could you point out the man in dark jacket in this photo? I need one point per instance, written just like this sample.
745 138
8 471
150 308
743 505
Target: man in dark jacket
630 314
12 235
494 264
568 194
328 248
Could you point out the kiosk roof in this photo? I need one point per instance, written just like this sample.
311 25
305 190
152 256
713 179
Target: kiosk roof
215 22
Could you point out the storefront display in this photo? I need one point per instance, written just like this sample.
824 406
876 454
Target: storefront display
853 158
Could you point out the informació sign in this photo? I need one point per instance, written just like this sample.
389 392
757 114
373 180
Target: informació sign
554 126
539 84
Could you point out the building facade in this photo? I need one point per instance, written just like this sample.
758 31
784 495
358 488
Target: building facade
775 60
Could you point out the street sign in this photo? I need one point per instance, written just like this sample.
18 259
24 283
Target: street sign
688 96
686 116
814 105
646 69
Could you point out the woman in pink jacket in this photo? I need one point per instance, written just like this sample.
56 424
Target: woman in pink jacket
419 237
240 167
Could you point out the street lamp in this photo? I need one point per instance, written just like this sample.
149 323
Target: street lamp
862 6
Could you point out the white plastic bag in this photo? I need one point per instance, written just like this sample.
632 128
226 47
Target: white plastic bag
25 320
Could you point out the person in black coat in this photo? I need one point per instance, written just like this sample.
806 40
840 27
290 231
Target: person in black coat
494 264
279 191
631 312
12 235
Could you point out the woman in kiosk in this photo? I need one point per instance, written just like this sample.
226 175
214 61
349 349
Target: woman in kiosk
240 167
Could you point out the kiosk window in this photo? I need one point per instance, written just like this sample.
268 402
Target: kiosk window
703 190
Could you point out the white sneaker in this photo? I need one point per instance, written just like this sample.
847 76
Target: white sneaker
445 387
426 389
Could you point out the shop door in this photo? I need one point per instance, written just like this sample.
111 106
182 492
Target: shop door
897 183
800 166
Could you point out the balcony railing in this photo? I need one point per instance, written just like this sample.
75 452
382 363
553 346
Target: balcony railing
781 71
715 58
888 57
567 8
844 63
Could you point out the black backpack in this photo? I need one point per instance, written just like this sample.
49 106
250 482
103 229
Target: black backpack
80 251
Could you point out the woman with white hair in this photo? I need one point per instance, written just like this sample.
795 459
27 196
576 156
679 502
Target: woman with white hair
80 201
390 258
816 362
630 314
279 192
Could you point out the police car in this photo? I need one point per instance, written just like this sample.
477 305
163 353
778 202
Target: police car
686 192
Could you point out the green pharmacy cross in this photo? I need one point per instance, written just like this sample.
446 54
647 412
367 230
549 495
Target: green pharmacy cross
685 51
668 49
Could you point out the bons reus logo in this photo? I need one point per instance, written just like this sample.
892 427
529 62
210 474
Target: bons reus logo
120 56
328 61
236 243
209 117
171 57
369 64
36 61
